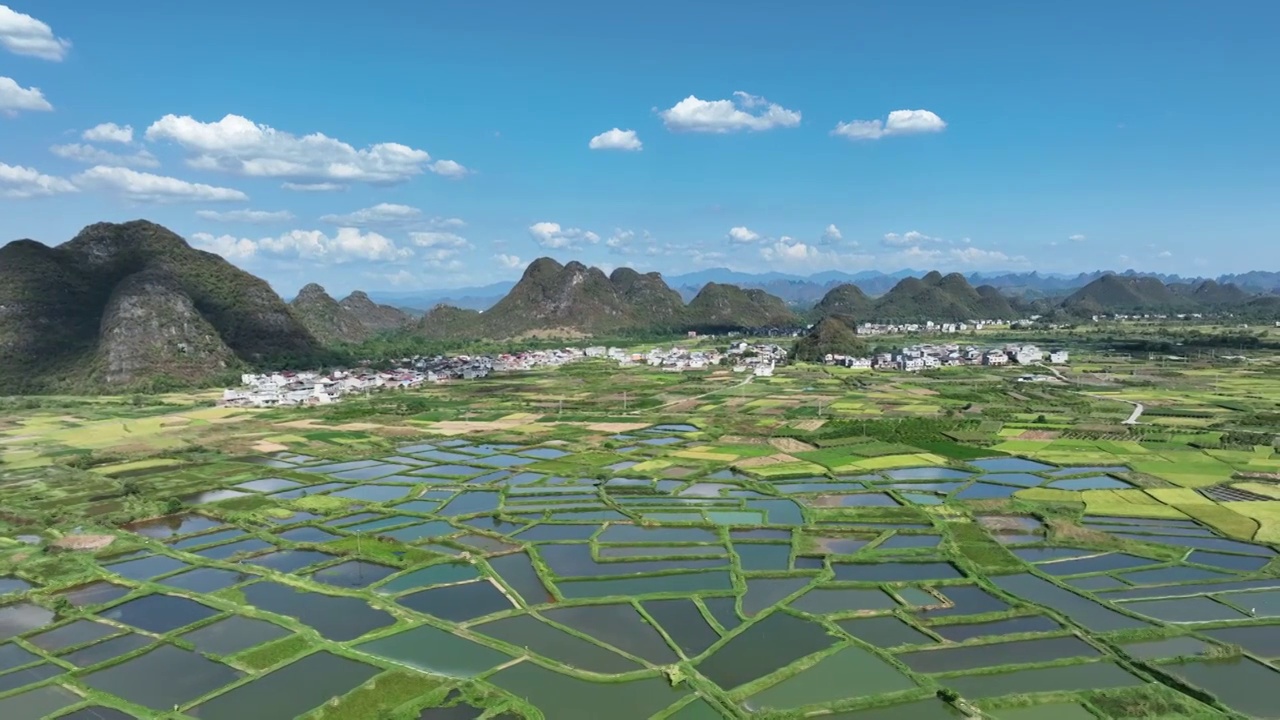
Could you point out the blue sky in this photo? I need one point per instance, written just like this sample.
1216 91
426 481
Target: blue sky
406 145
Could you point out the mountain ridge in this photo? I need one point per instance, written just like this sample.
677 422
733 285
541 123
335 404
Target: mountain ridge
119 303
804 291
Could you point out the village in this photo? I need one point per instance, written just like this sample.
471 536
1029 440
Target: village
927 357
289 388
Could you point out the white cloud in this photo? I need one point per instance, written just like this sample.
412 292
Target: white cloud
899 122
314 245
14 98
90 155
693 114
510 262
380 214
109 132
832 235
24 35
17 181
909 238
743 235
228 246
1165 254
978 257
968 257
249 217
240 146
551 235
401 277
312 187
441 240
616 139
347 244
788 250
146 187
797 255
1076 238
445 223
449 169
620 241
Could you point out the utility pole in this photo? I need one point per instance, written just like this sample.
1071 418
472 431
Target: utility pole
624 401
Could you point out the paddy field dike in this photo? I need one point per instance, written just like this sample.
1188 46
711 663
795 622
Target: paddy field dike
722 551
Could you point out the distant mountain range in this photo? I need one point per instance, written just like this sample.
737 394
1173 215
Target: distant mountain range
134 306
803 291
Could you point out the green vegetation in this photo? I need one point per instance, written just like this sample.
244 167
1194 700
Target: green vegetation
274 653
528 546
830 336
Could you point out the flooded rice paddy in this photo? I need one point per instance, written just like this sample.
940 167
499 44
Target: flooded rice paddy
493 571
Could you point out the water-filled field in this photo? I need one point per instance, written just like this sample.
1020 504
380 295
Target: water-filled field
486 578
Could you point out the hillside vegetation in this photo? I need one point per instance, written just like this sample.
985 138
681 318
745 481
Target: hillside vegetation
76 315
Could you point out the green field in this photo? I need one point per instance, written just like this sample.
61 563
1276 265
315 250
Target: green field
817 544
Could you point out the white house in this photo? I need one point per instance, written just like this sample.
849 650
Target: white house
1057 357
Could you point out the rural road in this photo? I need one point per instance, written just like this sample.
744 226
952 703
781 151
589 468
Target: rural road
1137 413
1055 372
1137 406
1133 416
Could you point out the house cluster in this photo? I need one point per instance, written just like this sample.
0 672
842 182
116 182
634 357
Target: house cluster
927 357
310 388
674 359
927 327
759 359
314 388
531 359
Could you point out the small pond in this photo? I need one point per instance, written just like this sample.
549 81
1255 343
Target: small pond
568 698
927 473
290 691
1018 652
76 632
684 624
1062 678
211 496
894 572
159 613
353 574
617 625
436 651
268 485
184 524
232 634
1242 684
162 678
289 561
94 593
884 632
1010 464
762 648
848 673
1185 610
518 573
1010 626
336 618
107 650
528 631
458 603
441 574
145 568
